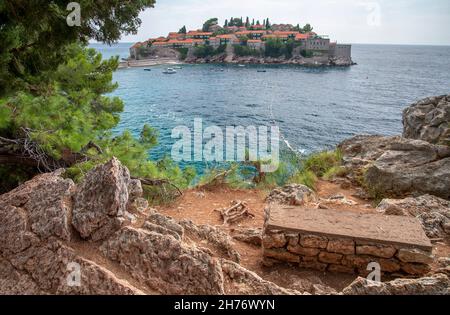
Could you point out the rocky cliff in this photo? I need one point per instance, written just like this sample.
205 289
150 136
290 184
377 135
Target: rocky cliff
413 170
100 237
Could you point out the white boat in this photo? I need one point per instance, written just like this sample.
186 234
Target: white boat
178 67
170 71
242 66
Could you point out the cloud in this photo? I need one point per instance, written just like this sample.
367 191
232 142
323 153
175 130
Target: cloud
353 21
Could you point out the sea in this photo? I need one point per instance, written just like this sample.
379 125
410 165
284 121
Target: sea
315 108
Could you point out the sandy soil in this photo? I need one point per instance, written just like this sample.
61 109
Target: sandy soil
199 207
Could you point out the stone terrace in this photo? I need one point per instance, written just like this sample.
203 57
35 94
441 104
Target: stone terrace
346 242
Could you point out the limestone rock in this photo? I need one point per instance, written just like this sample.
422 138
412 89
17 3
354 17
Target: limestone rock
314 241
398 166
219 240
134 190
282 255
163 263
330 258
274 240
239 280
48 267
413 206
342 246
414 256
376 250
297 249
292 195
428 120
432 212
41 207
251 236
14 282
435 285
435 224
100 204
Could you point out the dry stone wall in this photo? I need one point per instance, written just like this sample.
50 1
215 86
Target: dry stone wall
344 255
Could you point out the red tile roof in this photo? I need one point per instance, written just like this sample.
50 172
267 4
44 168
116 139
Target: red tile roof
301 36
196 33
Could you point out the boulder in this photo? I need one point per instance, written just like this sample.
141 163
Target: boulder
398 166
432 212
220 241
251 236
45 269
292 195
437 284
38 209
100 203
428 120
164 263
241 281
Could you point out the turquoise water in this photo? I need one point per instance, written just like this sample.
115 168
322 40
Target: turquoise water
314 108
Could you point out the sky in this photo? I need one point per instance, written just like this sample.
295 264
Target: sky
423 22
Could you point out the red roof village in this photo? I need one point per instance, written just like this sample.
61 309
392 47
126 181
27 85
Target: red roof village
254 36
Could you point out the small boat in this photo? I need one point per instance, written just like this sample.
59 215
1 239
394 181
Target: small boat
262 70
147 69
242 66
170 71
178 68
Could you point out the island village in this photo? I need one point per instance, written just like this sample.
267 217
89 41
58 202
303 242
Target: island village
246 42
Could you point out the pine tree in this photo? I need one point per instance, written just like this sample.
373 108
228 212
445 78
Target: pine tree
55 108
182 30
247 22
226 23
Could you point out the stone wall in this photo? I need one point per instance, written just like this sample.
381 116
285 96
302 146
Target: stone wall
343 255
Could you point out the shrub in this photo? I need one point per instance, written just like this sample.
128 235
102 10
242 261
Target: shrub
304 177
183 53
323 162
306 53
246 51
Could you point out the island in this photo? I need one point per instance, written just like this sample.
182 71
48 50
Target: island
242 42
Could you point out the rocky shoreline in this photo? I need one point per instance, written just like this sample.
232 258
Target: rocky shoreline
298 60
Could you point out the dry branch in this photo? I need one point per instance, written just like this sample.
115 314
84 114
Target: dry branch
237 212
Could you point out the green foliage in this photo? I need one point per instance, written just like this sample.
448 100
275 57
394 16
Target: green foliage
34 35
307 28
183 52
236 22
203 51
53 89
221 49
72 111
324 165
306 53
209 23
304 177
246 51
182 30
222 31
321 163
276 48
